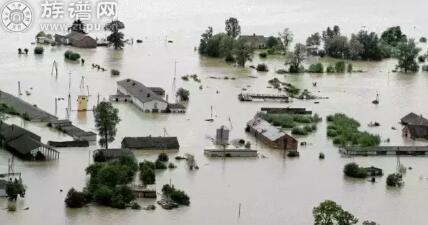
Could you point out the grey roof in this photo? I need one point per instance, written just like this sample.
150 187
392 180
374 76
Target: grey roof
150 143
266 129
11 132
76 36
139 91
24 144
254 39
176 106
413 119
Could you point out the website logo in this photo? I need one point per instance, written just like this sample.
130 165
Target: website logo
16 16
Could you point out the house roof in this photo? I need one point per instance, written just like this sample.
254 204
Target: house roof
254 38
150 142
11 132
414 119
24 144
139 91
76 36
266 129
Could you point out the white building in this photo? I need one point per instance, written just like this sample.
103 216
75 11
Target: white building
143 97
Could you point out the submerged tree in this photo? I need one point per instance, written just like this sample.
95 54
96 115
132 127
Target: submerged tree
205 37
393 36
286 37
407 54
233 29
106 119
313 42
116 37
296 58
330 213
78 26
15 189
183 94
242 52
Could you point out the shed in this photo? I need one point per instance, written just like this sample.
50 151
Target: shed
415 126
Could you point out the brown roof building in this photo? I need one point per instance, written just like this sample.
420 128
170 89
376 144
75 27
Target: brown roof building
415 126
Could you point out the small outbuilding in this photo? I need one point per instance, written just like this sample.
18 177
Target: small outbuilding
254 41
76 39
415 126
270 135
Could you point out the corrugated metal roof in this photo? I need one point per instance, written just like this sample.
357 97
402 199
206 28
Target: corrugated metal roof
266 129
139 91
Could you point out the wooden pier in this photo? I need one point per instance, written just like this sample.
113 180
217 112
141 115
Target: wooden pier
385 150
249 97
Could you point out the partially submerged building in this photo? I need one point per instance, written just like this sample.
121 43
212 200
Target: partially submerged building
270 135
254 41
147 99
149 142
415 126
76 133
76 39
25 144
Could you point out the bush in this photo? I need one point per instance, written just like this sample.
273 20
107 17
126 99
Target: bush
353 170
299 131
118 202
163 157
160 165
180 197
422 58
394 180
330 69
73 56
425 68
262 67
293 154
147 176
183 94
114 72
316 68
423 40
263 54
39 50
172 166
294 69
340 67
230 59
103 195
76 199
135 205
271 51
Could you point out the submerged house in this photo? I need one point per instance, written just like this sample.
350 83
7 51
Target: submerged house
25 144
103 155
254 41
270 135
415 126
147 99
76 39
149 142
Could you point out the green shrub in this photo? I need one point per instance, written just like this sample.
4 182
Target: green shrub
394 180
230 59
425 68
316 68
147 176
422 58
118 202
423 40
262 67
299 131
160 165
293 153
331 133
340 67
180 197
39 50
172 166
103 195
135 205
163 157
330 69
114 72
353 170
70 55
263 54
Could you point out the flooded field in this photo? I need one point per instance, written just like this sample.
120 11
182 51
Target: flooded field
271 190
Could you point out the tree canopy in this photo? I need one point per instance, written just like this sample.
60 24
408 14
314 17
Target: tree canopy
116 37
233 29
407 54
106 120
330 213
78 26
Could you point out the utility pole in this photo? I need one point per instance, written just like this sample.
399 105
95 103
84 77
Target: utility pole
19 88
174 81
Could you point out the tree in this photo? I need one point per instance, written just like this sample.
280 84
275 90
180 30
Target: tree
393 36
147 176
242 52
232 27
286 37
183 94
78 26
313 42
116 37
15 188
207 35
76 199
330 213
356 49
106 120
295 58
272 42
407 53
369 223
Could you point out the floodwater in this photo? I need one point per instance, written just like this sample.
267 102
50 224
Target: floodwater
271 190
